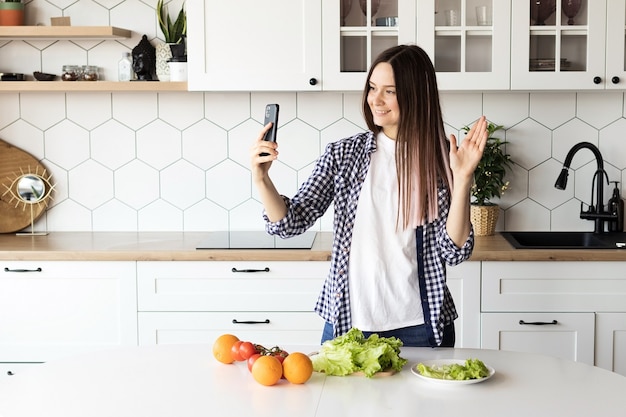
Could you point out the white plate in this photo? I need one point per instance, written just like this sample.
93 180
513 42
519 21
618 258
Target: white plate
441 362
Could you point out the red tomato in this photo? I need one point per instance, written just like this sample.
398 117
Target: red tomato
235 351
252 359
247 349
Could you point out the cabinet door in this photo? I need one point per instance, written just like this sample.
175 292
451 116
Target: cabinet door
266 328
564 335
551 51
615 44
469 53
611 342
51 309
254 45
464 285
355 32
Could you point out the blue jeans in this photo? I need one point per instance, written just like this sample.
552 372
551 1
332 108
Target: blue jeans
416 336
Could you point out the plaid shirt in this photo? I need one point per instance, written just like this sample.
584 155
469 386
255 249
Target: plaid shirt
337 178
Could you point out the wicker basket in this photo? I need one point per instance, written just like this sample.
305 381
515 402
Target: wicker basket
484 219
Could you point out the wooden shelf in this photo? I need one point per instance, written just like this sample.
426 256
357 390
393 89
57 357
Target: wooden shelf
63 32
26 86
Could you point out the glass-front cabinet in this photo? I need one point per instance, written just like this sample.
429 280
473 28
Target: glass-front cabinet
568 44
468 41
355 32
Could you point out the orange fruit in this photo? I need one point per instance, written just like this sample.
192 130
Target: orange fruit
222 348
267 370
297 368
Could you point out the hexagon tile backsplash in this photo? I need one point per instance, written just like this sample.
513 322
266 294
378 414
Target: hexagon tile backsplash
179 161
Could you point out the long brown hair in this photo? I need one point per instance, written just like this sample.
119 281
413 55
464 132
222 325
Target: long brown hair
422 159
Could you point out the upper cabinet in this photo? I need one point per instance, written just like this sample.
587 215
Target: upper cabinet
568 44
251 45
468 42
355 32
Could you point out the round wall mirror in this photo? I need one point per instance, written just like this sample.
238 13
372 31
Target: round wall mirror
31 188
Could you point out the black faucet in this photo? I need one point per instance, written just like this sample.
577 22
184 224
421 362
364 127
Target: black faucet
596 212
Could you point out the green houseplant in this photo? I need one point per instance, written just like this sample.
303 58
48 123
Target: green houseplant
173 31
489 182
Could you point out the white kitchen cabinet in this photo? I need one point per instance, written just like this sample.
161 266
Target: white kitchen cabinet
467 54
51 309
251 45
551 307
7 370
611 342
194 302
352 37
464 284
587 54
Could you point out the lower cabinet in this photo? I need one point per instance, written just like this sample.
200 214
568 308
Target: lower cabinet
611 342
574 310
51 309
196 301
464 284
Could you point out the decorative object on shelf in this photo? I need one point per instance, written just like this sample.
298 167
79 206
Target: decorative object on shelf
61 21
11 13
346 6
489 183
571 9
144 60
42 76
540 10
26 183
173 33
375 4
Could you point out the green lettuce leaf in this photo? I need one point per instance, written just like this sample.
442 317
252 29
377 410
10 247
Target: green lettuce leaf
352 352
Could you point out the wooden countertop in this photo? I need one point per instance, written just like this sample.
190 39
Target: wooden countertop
179 246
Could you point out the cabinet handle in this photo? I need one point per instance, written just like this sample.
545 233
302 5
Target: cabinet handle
615 80
597 80
266 269
313 81
266 321
22 270
537 323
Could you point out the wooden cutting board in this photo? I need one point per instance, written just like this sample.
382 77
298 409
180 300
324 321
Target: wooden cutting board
14 162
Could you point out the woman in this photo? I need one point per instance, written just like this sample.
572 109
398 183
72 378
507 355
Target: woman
401 207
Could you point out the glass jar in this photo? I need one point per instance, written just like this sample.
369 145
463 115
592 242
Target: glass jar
70 73
89 73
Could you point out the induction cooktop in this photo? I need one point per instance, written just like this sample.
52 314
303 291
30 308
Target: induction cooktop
255 240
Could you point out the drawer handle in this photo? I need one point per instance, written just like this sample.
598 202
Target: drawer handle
266 269
22 270
10 373
266 321
537 323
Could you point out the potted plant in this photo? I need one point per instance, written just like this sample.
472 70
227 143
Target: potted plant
174 33
489 182
11 13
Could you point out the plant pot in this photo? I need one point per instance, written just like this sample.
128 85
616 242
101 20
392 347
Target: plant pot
484 219
11 14
163 55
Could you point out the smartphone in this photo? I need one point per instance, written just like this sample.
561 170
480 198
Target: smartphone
271 115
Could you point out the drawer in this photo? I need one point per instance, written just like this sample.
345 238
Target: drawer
553 286
565 335
10 369
267 329
229 286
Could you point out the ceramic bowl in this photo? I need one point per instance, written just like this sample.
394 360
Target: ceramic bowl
42 76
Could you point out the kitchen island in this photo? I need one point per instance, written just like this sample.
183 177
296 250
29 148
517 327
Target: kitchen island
186 381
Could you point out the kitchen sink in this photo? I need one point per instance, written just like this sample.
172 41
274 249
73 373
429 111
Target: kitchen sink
565 240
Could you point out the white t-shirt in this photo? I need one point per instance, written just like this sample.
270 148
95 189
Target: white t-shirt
384 290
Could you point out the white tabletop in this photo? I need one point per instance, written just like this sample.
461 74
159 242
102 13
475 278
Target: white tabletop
186 381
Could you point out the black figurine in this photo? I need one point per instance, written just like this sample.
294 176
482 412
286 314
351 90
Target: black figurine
144 60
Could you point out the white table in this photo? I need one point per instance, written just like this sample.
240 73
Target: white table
186 381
